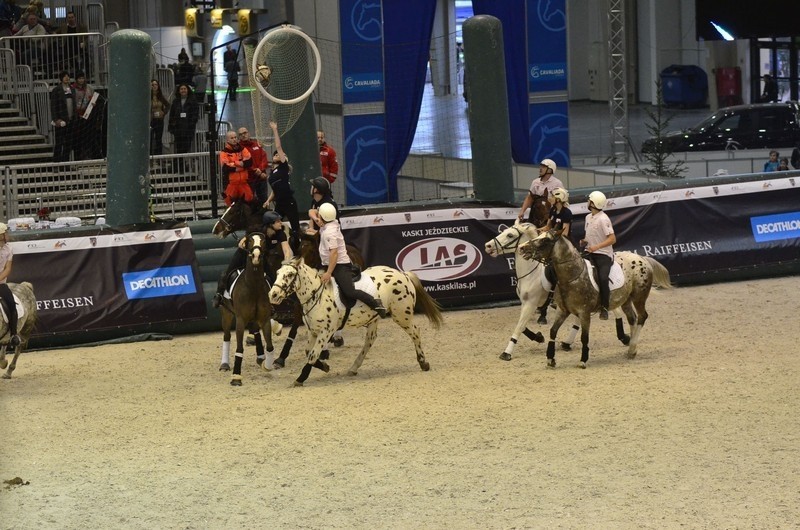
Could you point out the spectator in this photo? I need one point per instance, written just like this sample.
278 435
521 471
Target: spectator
83 130
772 164
10 13
63 111
236 161
257 173
540 187
282 193
784 165
184 74
770 90
183 56
327 159
183 115
796 157
32 50
73 49
159 106
231 65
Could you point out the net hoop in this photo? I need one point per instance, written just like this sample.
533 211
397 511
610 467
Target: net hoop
317 73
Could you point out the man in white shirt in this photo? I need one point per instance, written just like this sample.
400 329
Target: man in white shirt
598 242
540 187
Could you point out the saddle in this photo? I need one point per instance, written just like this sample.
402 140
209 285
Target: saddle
361 282
233 277
616 278
4 309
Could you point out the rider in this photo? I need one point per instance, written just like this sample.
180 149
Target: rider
275 236
540 187
6 257
282 193
598 242
560 220
333 254
320 194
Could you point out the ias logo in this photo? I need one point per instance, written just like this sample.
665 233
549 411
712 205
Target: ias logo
440 258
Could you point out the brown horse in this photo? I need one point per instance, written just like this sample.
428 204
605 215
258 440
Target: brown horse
25 325
540 211
249 307
576 294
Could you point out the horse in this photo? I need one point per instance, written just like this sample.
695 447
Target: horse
26 323
249 306
401 293
540 211
530 289
577 295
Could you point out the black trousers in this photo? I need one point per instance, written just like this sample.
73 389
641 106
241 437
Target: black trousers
8 298
603 264
343 273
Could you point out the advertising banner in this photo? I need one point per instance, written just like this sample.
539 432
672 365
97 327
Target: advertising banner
443 246
365 152
361 27
547 45
115 277
549 132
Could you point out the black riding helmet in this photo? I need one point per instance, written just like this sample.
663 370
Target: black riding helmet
322 184
270 217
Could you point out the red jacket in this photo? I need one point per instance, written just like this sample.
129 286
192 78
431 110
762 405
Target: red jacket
327 160
259 158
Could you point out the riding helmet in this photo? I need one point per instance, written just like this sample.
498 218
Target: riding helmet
327 212
321 184
270 217
561 194
549 163
598 199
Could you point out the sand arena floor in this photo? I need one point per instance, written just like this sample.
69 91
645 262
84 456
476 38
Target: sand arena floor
699 431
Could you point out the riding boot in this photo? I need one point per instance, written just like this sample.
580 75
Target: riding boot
603 313
543 309
222 285
377 306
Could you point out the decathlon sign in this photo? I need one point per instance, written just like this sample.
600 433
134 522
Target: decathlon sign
775 227
155 283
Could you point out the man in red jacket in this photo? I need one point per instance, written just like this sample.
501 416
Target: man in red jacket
235 161
257 173
327 159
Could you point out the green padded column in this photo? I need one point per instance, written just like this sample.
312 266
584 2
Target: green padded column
128 127
300 145
490 133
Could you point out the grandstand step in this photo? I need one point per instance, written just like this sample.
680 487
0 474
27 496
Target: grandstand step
9 112
19 159
17 130
28 149
20 140
5 103
15 121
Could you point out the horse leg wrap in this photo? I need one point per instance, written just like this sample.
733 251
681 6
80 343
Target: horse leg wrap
259 344
551 349
585 353
226 353
535 337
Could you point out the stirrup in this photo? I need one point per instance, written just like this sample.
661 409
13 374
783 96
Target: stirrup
381 311
217 300
15 340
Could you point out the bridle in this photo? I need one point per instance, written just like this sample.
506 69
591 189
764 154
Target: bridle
514 245
292 288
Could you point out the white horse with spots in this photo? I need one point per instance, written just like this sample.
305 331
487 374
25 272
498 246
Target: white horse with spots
401 293
531 288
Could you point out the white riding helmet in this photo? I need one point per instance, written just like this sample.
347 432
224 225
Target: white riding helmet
327 212
549 163
561 194
598 199
3 228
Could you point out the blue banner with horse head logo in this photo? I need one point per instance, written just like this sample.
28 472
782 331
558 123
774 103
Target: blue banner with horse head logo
361 27
549 132
365 152
547 45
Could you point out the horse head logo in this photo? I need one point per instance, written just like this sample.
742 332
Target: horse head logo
408 217
93 241
716 190
365 19
552 132
550 16
486 214
636 199
366 171
791 181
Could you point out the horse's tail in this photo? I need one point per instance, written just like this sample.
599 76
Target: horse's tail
425 303
660 274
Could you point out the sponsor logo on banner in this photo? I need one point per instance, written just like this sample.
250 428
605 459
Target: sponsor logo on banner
440 258
552 131
155 283
551 16
791 181
636 199
486 214
366 170
60 244
548 71
93 241
362 82
408 217
775 227
366 19
64 303
677 248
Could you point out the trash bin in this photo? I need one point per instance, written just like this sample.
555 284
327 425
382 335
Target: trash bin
684 85
729 86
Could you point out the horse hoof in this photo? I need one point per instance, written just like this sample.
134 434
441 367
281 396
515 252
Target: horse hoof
324 367
259 361
338 341
542 320
324 355
6 376
538 337
236 382
278 364
250 341
505 356
631 355
551 363
352 373
566 346
581 365
224 367
3 364
625 340
298 383
425 366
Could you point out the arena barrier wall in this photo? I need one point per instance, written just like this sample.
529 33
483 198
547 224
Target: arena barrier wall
702 230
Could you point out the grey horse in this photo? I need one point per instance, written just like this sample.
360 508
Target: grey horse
25 326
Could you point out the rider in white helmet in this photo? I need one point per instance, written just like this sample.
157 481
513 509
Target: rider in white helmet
598 242
6 257
560 220
333 254
540 187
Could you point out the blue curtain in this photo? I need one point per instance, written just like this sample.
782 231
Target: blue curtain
512 16
407 27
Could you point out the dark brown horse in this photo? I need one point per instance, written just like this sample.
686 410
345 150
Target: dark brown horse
540 211
249 307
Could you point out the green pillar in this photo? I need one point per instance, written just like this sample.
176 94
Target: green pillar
128 127
300 145
490 132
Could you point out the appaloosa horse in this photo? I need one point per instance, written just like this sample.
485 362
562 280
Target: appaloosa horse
576 294
401 293
26 323
249 307
530 287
